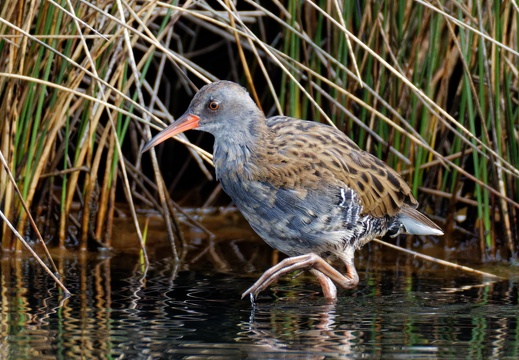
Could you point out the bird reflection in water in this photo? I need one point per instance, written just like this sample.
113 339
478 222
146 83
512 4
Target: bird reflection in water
308 329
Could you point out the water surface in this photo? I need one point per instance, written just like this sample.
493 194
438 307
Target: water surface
402 308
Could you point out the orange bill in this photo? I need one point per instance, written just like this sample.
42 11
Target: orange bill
185 122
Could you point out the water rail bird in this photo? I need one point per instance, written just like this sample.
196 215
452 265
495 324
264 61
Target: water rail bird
305 187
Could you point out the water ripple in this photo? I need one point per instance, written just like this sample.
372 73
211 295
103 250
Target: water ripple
117 312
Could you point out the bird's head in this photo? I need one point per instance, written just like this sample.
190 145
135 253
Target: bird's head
222 108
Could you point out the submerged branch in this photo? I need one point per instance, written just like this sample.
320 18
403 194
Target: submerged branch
436 260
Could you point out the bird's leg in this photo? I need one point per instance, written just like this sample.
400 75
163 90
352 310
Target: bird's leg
351 277
329 288
303 262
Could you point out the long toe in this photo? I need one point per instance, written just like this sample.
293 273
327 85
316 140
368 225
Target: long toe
274 273
261 284
250 291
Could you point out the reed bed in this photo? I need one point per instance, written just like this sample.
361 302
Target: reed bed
430 87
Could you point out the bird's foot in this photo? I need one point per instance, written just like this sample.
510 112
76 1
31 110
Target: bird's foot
329 288
324 272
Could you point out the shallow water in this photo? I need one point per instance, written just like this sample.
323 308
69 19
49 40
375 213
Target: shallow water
403 308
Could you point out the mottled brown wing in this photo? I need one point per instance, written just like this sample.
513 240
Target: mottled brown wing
304 154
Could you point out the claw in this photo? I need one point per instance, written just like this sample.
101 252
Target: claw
247 292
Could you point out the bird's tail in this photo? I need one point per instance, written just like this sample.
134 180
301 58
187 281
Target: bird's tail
414 222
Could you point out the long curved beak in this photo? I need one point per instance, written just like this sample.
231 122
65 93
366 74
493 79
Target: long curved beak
185 122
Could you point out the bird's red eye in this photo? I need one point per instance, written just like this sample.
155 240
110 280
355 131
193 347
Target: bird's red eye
214 105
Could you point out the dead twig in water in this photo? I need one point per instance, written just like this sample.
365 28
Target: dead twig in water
438 261
29 215
33 253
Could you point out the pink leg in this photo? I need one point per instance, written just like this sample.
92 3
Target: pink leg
329 288
325 273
